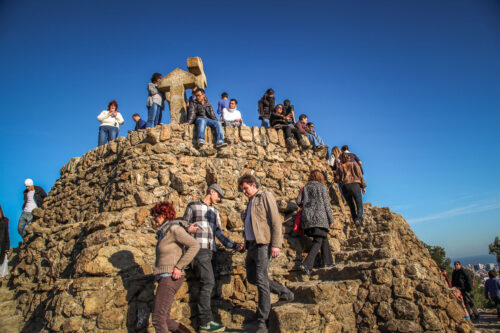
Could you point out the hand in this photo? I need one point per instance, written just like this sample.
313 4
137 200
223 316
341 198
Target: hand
275 252
331 225
193 228
176 273
364 191
239 247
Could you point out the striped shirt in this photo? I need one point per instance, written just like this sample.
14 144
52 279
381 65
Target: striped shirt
208 220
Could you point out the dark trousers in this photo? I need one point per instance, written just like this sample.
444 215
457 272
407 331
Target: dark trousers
352 194
497 303
257 266
289 130
320 243
204 270
167 288
469 304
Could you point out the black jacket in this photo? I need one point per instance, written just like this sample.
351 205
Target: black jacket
266 107
461 279
278 120
39 196
197 110
4 238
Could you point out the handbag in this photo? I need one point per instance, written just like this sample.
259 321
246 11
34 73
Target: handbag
297 226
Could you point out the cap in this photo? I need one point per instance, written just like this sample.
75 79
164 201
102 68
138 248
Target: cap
28 182
217 189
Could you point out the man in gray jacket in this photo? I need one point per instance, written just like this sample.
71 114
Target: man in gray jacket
263 238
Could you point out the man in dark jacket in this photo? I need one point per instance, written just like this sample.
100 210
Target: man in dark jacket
266 107
201 113
461 280
33 198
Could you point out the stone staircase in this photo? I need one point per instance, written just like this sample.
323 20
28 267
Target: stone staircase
11 320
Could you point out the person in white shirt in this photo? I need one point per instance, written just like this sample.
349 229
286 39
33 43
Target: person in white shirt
33 198
110 120
231 116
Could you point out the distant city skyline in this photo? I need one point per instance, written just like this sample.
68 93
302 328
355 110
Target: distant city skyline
412 87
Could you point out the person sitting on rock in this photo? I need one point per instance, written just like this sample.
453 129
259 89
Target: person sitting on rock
303 126
201 113
156 101
223 103
266 107
33 198
231 116
350 176
139 123
317 219
175 249
278 121
263 239
289 112
205 223
110 120
492 289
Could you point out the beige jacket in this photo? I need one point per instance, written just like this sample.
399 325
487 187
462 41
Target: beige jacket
266 219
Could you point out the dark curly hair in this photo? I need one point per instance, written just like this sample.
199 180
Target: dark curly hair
113 102
164 208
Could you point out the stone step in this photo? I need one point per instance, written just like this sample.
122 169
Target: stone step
319 291
364 241
12 324
362 255
8 308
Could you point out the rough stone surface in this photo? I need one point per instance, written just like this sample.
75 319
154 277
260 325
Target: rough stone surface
86 264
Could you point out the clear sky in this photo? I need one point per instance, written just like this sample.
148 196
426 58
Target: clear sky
412 86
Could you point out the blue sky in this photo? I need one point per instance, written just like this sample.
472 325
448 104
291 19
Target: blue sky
412 86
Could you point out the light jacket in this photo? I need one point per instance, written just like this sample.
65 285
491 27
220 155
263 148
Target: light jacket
154 96
107 120
266 219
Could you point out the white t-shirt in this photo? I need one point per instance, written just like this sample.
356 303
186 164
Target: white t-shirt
230 114
30 202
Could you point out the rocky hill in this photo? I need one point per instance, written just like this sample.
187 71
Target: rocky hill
87 261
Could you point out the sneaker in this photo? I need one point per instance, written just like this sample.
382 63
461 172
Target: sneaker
305 269
287 296
201 143
261 329
220 145
212 326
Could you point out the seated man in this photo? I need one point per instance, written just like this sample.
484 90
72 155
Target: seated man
231 116
201 113
301 125
139 123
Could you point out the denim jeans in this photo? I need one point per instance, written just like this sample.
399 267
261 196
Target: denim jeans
201 124
106 134
314 139
266 123
24 221
154 115
352 194
204 270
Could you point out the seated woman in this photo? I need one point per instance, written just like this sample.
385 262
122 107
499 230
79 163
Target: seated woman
110 120
174 251
231 116
317 219
278 120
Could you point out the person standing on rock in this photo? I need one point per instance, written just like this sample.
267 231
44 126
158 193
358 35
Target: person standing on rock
462 280
317 219
263 239
223 103
156 101
4 243
492 289
279 121
175 249
33 198
110 120
266 107
201 113
350 176
205 224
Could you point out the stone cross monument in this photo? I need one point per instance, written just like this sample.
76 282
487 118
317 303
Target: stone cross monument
175 84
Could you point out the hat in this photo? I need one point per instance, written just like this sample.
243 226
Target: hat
217 189
28 182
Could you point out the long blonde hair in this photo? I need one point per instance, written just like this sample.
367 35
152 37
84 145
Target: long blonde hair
336 152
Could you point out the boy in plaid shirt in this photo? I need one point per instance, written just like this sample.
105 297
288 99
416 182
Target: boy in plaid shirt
205 223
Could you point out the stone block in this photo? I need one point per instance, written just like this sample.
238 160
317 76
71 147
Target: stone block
245 134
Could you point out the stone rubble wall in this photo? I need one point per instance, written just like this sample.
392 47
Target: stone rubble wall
86 265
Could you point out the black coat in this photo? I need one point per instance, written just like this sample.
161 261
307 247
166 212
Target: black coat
461 280
266 107
278 120
39 196
4 238
197 110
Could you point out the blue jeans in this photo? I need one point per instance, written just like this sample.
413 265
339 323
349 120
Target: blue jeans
154 115
24 221
266 123
314 139
106 134
202 123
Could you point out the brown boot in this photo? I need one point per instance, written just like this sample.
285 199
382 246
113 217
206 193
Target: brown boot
183 329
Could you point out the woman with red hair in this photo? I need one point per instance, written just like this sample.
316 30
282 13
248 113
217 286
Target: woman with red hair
173 240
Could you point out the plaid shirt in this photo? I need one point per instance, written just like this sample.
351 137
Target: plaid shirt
208 219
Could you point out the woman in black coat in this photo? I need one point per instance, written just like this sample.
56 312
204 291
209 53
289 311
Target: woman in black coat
4 237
